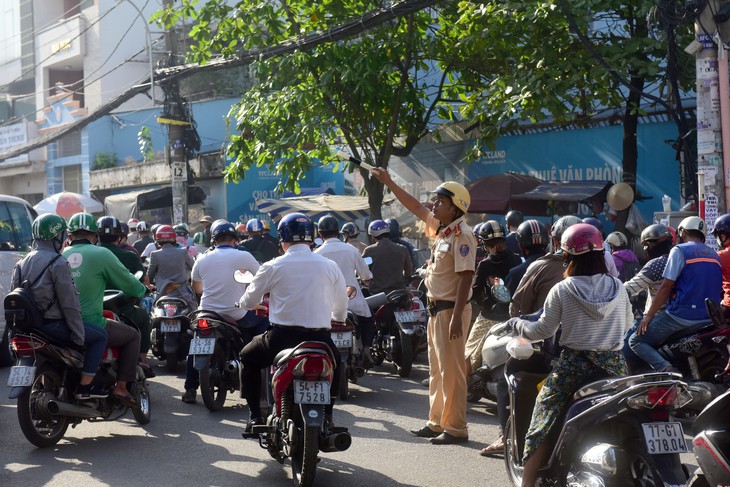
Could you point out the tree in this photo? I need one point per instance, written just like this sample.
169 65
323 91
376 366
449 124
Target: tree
377 94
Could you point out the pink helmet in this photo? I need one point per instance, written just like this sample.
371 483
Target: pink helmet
581 238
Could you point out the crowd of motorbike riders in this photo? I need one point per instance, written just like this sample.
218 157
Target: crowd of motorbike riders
674 275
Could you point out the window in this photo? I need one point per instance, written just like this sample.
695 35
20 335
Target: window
69 145
15 227
72 178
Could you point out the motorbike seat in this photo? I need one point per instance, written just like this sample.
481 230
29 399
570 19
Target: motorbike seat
174 299
683 333
376 300
68 344
304 347
397 295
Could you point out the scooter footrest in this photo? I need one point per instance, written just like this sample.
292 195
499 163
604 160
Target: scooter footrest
261 429
337 429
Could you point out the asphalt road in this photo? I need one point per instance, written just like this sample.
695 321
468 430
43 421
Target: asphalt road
188 445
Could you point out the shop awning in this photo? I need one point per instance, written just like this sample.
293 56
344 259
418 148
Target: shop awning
558 195
344 208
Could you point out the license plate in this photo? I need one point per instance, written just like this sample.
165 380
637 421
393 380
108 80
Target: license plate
406 316
311 392
202 346
21 376
664 438
170 326
342 339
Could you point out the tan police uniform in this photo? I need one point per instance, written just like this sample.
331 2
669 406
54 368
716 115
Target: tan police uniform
453 252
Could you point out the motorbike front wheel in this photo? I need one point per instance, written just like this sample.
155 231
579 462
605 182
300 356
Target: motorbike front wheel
212 387
304 458
142 414
512 464
38 425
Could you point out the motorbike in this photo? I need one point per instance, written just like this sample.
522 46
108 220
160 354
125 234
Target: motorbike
711 444
170 325
700 353
45 376
483 381
400 322
617 430
215 347
301 381
343 336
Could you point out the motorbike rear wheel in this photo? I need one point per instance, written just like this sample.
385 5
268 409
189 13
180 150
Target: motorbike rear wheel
344 383
212 386
304 458
404 358
38 426
171 362
514 469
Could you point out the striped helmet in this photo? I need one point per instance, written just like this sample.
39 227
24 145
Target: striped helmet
82 222
491 229
532 233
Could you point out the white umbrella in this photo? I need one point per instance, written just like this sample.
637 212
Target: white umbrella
66 204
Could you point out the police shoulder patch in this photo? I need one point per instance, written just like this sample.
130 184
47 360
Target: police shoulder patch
464 250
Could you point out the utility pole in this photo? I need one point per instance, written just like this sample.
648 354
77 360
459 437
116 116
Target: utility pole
710 168
176 120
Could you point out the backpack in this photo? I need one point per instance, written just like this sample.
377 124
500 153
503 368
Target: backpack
21 311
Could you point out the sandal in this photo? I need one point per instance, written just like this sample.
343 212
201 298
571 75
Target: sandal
496 448
126 399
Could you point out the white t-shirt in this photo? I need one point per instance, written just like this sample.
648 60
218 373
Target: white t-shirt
352 265
215 270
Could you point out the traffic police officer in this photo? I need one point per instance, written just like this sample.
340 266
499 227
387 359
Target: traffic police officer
448 280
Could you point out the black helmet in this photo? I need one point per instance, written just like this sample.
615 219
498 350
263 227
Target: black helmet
350 229
296 227
328 224
491 230
394 227
125 228
532 233
514 218
654 234
562 224
108 225
181 229
221 228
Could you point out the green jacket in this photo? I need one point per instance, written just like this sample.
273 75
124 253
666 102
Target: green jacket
93 270
130 260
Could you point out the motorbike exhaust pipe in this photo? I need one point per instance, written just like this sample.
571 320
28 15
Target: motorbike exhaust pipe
58 408
233 366
335 442
419 331
359 371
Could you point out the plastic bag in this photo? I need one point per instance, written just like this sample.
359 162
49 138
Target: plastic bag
520 348
636 223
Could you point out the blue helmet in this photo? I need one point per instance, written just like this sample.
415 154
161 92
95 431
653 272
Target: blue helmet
296 227
722 225
221 228
254 225
394 227
378 228
594 222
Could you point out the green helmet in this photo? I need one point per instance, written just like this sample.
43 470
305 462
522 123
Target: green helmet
82 222
199 238
48 226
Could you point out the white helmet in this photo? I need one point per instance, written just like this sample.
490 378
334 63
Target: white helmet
617 239
692 223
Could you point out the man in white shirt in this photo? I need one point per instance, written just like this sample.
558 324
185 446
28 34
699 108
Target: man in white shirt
307 292
352 265
213 278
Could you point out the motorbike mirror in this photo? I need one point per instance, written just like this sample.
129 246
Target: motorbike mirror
501 294
368 260
351 292
318 241
138 275
243 277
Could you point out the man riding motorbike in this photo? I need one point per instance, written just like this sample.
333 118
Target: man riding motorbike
352 265
94 269
627 264
170 267
213 280
52 294
143 237
513 219
109 230
391 265
256 244
397 237
592 310
693 273
350 231
532 236
307 292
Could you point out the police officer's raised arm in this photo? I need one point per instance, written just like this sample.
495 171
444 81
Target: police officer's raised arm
408 200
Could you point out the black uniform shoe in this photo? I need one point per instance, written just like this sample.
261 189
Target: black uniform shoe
189 396
425 432
447 439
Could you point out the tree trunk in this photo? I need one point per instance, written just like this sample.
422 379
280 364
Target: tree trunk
630 152
374 189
